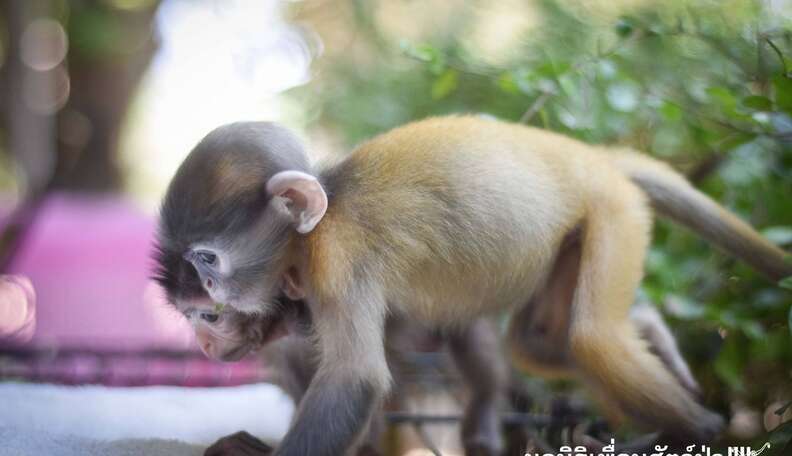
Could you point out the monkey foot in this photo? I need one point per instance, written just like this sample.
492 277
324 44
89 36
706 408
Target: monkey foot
237 444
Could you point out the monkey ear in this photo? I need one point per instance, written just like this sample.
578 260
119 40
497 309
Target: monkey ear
307 200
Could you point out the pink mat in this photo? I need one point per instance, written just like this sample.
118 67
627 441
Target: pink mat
88 259
89 262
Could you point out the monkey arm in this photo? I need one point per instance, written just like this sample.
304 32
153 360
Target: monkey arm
351 379
331 417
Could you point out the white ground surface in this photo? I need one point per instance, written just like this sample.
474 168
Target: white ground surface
95 420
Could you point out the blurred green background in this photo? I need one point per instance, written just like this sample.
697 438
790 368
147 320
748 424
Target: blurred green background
704 85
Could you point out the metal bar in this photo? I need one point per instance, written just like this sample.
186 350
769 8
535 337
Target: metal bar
507 418
427 441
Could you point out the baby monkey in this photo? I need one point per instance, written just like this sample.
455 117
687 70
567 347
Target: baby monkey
444 221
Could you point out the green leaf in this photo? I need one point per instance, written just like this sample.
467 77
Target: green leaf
425 53
778 234
95 33
507 83
753 329
734 140
786 283
728 365
723 97
728 319
773 346
624 27
670 111
782 87
757 103
683 308
445 84
526 81
422 52
552 69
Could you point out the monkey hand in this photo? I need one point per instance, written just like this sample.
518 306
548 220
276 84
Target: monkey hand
238 444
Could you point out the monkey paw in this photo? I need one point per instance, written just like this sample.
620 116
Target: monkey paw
238 444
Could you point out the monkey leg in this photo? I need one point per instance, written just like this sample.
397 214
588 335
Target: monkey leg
603 340
476 352
352 377
539 332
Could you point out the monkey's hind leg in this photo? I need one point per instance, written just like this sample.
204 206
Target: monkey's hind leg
604 341
538 335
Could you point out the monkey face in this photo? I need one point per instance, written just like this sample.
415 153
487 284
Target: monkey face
228 335
241 270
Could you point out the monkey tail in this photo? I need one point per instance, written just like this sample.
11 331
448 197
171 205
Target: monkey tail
672 196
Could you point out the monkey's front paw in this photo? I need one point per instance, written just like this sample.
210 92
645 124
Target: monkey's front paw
239 444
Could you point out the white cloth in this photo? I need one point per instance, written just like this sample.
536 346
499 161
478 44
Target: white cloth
40 419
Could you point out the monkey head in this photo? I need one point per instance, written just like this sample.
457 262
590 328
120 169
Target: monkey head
228 223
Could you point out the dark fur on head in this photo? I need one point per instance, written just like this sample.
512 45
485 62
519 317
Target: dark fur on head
220 188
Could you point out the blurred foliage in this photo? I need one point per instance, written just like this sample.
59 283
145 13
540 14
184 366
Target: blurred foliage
107 29
704 85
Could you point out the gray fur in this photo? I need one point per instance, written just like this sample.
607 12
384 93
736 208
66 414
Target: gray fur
662 343
689 207
336 416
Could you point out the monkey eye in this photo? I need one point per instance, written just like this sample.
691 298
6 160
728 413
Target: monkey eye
207 258
209 317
